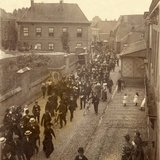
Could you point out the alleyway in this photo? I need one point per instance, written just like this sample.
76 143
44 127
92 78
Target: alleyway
101 135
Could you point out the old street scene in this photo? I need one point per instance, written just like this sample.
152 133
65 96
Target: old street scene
79 80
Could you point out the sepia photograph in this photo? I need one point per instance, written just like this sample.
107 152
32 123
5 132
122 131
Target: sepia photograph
79 79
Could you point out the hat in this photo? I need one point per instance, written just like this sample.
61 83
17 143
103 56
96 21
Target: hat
32 120
137 133
80 150
127 137
27 133
2 140
104 84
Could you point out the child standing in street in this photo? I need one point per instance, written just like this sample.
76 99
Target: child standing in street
125 99
135 100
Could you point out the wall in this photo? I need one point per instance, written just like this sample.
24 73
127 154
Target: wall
132 71
45 39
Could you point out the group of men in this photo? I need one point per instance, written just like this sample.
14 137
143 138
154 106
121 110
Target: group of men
21 130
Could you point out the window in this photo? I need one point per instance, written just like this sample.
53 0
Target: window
38 31
25 31
79 44
79 32
64 30
38 46
51 32
51 46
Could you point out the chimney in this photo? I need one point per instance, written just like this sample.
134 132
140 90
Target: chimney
61 1
32 3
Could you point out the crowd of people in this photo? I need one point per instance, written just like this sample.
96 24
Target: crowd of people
20 133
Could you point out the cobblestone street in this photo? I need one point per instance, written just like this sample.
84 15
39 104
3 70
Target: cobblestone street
101 135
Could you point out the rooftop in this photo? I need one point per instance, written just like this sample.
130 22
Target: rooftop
134 47
55 12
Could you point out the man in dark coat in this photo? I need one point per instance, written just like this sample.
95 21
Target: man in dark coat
28 146
95 101
53 102
119 83
80 155
127 149
110 85
36 111
48 146
48 106
138 147
82 98
43 88
62 109
72 106
46 118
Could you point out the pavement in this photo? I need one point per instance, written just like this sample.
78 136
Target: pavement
101 135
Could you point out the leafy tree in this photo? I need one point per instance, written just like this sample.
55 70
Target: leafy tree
65 41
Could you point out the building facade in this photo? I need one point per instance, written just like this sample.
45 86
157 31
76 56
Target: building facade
132 63
153 77
8 33
48 26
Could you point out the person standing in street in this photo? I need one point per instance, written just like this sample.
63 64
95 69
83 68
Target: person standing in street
110 85
135 100
72 107
127 150
138 147
80 155
119 83
28 146
95 101
36 111
43 89
46 118
48 146
125 99
62 113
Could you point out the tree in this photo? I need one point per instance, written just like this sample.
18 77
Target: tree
65 41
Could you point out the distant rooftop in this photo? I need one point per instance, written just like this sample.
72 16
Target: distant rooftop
55 12
134 47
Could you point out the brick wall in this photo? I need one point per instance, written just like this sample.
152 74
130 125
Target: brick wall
56 40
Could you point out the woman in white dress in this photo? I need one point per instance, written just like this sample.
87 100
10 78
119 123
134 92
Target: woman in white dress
125 99
135 100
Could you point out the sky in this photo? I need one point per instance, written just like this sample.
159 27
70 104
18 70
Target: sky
105 9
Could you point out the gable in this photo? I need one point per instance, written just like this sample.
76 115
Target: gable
55 12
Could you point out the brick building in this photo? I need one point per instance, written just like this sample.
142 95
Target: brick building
129 29
44 25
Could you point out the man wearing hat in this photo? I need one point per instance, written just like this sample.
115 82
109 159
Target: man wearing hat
72 107
35 129
43 88
95 101
62 113
36 111
48 146
46 118
80 155
127 151
7 151
138 146
28 146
